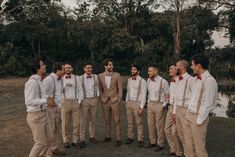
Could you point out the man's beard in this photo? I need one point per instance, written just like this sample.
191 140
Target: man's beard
134 74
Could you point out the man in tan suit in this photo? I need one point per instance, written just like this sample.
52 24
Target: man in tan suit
111 95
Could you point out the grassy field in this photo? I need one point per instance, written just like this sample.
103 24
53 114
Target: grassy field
16 137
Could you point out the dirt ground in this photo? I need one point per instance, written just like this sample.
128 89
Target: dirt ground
16 137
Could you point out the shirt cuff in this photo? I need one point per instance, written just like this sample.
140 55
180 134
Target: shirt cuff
199 121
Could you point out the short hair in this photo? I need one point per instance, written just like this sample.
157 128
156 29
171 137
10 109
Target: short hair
136 66
69 63
58 66
153 66
87 63
36 65
106 61
184 63
201 59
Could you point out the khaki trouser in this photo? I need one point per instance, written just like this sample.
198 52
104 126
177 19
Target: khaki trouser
70 108
54 117
41 129
181 123
155 119
195 136
88 114
132 108
114 109
171 133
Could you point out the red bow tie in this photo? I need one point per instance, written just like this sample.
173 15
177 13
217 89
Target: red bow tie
89 76
68 77
199 77
172 80
133 78
181 78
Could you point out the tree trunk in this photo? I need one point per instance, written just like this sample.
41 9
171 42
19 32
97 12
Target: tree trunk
177 28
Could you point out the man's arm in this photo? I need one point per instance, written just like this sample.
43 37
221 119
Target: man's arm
120 90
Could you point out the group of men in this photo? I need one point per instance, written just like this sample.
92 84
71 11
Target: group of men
62 95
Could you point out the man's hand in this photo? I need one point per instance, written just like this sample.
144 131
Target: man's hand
50 102
140 112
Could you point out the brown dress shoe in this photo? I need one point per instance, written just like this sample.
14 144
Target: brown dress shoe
92 140
106 139
118 143
149 145
140 144
66 145
158 148
58 152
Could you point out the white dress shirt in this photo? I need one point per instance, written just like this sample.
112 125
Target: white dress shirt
208 89
181 99
52 90
89 85
108 81
133 87
172 91
153 89
69 87
32 93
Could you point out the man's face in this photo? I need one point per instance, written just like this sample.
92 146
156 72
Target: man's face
68 69
152 72
134 71
109 67
42 69
178 68
62 71
88 69
172 71
195 68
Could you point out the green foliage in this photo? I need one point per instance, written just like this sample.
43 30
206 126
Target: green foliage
127 31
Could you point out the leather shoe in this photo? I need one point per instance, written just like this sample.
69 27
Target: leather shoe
58 152
92 140
66 145
82 144
149 145
75 144
158 149
106 139
172 154
140 144
118 143
129 141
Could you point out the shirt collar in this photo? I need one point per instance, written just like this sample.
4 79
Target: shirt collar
205 74
54 75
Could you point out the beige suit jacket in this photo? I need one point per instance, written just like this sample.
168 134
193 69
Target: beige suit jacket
114 92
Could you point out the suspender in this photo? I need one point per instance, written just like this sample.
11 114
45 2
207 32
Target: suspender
185 88
138 92
160 93
94 86
39 89
75 78
54 86
200 96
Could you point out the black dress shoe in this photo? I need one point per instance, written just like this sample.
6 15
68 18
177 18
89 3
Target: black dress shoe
140 144
158 148
129 141
106 139
66 145
58 152
149 145
82 144
92 140
172 154
75 144
118 143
